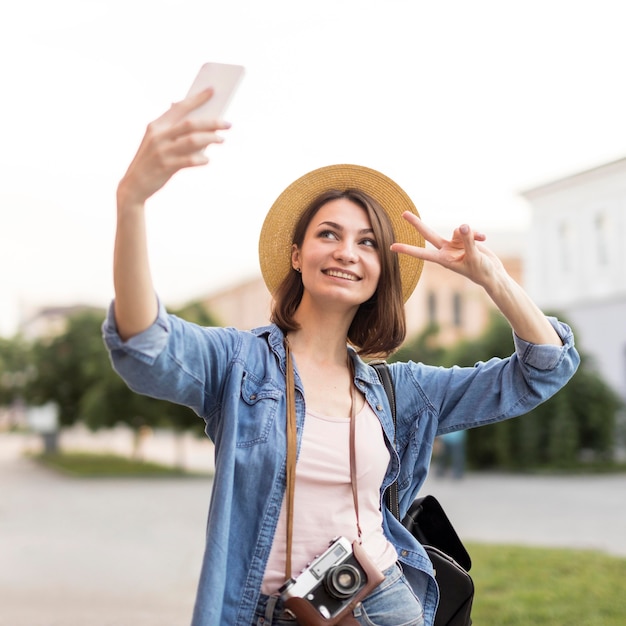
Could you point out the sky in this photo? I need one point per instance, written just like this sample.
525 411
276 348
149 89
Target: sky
464 104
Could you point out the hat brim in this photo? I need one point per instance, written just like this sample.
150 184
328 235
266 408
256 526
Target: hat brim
276 236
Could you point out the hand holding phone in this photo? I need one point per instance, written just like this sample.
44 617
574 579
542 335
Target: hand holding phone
224 79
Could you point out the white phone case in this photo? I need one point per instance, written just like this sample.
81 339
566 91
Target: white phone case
224 79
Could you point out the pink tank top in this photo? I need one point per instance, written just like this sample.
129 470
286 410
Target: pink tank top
323 502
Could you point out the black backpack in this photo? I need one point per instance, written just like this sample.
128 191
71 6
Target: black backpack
429 524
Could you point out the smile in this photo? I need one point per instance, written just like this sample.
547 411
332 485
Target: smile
344 275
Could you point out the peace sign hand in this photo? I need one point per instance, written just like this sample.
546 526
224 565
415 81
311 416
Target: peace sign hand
463 253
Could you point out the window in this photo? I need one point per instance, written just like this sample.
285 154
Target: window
432 307
457 306
565 239
601 239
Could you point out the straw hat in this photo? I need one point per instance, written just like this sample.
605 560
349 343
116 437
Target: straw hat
277 232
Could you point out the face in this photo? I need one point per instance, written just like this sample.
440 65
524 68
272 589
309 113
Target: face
339 256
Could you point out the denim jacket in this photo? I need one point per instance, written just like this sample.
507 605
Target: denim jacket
235 381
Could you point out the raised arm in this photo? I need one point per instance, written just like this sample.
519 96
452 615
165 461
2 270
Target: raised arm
465 254
171 143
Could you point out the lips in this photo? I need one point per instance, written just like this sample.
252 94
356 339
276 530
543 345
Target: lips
342 274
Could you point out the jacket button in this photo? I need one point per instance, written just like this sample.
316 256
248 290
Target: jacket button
253 396
379 407
404 553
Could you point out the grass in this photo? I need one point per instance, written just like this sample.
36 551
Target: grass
88 465
519 586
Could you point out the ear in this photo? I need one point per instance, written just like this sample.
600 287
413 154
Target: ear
295 256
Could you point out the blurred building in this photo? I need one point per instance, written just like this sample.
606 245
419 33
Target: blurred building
244 305
51 321
459 307
576 260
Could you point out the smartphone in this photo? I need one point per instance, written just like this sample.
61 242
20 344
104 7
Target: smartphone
224 78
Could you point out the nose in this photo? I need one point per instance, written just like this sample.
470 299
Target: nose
346 251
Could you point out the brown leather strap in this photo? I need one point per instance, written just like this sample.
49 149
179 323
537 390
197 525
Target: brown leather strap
355 494
291 454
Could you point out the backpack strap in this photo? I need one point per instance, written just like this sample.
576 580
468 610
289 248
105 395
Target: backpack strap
382 369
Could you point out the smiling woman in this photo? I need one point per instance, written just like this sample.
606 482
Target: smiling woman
341 250
340 244
340 247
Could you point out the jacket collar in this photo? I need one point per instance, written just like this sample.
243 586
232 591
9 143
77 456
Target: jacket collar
275 339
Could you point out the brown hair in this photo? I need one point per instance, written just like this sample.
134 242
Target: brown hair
379 326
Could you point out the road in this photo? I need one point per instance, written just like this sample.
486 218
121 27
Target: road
127 552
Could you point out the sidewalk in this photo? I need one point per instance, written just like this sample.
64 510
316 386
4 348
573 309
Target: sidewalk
128 552
587 512
97 552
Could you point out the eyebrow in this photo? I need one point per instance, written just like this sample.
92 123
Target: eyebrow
363 231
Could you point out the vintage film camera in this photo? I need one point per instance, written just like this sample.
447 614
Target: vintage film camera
330 581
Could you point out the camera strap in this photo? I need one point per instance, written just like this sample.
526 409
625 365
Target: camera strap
291 452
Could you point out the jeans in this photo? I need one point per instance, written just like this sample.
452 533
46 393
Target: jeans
392 603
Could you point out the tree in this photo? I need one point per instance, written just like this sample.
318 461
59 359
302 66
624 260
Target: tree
74 371
16 370
197 313
423 347
67 365
579 421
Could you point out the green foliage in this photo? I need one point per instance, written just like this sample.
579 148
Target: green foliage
86 465
496 341
425 345
16 369
516 586
74 371
579 421
197 313
68 365
108 401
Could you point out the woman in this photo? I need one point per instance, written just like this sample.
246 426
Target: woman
329 253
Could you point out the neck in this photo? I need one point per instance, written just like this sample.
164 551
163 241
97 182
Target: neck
322 335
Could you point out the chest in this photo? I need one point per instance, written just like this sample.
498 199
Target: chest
329 391
325 454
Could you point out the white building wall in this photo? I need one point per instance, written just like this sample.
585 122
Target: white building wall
601 328
576 261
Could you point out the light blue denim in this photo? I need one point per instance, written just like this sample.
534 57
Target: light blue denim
392 603
235 380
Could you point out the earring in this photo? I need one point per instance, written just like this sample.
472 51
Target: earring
298 270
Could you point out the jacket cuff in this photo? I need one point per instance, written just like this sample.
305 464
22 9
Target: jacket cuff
545 356
145 346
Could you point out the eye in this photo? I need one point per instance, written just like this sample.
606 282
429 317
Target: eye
368 241
327 234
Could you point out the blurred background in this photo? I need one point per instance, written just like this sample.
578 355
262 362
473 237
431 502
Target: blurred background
504 115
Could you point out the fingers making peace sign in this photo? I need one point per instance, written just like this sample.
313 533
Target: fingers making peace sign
463 253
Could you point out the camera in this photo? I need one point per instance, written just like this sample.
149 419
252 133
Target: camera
330 581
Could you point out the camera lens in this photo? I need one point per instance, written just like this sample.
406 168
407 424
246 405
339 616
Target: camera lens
343 581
